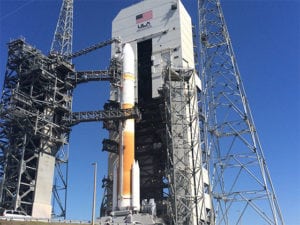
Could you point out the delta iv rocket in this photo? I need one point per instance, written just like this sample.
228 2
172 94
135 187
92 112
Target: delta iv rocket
126 176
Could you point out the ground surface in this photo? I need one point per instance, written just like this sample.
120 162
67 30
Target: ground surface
4 222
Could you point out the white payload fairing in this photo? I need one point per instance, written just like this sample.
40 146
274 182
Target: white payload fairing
126 176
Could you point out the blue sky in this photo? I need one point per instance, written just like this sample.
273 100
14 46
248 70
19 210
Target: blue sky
265 36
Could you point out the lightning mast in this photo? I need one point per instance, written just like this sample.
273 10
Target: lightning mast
62 40
62 46
241 184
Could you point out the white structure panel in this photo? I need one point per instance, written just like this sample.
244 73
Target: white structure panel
187 50
169 29
172 44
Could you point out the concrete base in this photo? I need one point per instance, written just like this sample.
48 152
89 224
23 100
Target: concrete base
43 189
43 211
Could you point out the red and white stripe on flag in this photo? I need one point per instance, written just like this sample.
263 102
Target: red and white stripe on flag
144 16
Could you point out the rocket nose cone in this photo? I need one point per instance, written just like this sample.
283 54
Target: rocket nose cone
128 51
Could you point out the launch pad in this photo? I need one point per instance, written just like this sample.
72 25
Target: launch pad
169 151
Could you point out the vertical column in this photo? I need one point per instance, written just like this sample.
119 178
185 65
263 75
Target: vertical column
43 189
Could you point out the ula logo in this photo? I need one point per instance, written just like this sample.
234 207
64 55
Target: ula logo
143 26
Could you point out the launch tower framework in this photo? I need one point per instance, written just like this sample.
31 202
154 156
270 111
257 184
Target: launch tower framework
35 98
241 184
36 117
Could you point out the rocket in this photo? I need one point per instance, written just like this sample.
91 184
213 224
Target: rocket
126 174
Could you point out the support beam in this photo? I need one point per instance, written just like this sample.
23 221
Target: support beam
102 115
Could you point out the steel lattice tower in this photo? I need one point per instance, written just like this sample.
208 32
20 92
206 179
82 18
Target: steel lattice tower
188 200
33 138
62 45
62 40
241 184
35 98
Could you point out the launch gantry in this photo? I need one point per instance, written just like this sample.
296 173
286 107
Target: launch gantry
36 120
200 158
34 100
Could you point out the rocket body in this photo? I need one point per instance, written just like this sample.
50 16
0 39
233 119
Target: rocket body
127 134
128 170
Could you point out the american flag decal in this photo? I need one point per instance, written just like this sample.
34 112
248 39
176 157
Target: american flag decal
144 17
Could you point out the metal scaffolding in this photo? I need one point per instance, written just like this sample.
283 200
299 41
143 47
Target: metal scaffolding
241 184
34 100
35 120
189 201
